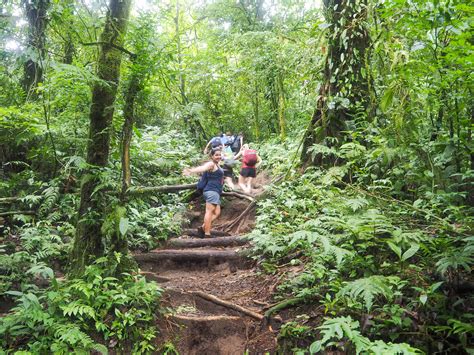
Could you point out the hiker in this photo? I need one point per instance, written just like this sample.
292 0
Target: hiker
228 166
214 143
250 162
213 181
237 143
229 139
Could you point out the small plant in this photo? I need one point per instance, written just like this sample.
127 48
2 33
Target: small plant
120 311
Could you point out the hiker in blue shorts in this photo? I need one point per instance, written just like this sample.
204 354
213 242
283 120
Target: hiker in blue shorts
213 181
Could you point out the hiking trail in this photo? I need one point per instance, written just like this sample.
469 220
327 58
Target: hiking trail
216 296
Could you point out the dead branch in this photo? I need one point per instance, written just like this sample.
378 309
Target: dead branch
226 304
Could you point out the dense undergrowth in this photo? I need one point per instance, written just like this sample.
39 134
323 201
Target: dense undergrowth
371 268
100 309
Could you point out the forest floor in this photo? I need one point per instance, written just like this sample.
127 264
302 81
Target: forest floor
215 296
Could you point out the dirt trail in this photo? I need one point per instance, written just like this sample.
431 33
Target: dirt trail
205 284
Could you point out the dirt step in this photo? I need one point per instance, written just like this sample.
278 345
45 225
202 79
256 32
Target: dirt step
185 258
205 334
184 243
199 326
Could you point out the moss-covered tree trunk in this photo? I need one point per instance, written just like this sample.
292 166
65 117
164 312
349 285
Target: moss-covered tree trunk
127 130
36 14
89 243
345 87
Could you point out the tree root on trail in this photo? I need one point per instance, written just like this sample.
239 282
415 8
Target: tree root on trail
207 242
226 304
239 195
283 305
228 226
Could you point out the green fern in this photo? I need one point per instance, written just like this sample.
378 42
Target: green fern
369 288
315 238
345 329
50 197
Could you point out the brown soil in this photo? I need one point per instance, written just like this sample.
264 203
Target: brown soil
195 325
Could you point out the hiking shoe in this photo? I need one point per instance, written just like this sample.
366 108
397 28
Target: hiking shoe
200 231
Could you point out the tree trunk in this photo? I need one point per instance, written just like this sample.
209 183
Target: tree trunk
89 241
345 86
129 120
36 14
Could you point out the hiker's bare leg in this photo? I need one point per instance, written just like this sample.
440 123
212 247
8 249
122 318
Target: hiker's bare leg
208 217
242 182
217 212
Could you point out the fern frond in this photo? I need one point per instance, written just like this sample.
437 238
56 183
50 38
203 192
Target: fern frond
370 287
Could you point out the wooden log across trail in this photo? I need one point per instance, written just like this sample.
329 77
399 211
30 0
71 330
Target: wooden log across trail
233 306
206 242
214 233
12 213
178 255
137 190
8 199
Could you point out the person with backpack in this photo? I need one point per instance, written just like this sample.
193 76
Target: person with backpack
214 143
237 143
211 183
228 166
250 162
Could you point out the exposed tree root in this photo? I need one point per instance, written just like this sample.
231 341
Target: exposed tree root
226 304
283 305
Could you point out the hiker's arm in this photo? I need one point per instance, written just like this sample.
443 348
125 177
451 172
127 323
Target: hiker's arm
207 146
259 161
199 169
238 154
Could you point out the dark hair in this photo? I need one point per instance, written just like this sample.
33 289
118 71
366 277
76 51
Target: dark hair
213 151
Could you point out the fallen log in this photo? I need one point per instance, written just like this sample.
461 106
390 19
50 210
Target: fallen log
8 199
226 304
206 242
137 190
214 233
178 255
12 213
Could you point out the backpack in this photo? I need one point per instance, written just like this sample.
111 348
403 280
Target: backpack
202 183
236 143
215 142
250 157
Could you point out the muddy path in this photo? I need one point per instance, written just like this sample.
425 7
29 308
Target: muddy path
214 295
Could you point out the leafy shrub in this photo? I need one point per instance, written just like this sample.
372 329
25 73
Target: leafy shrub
73 315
